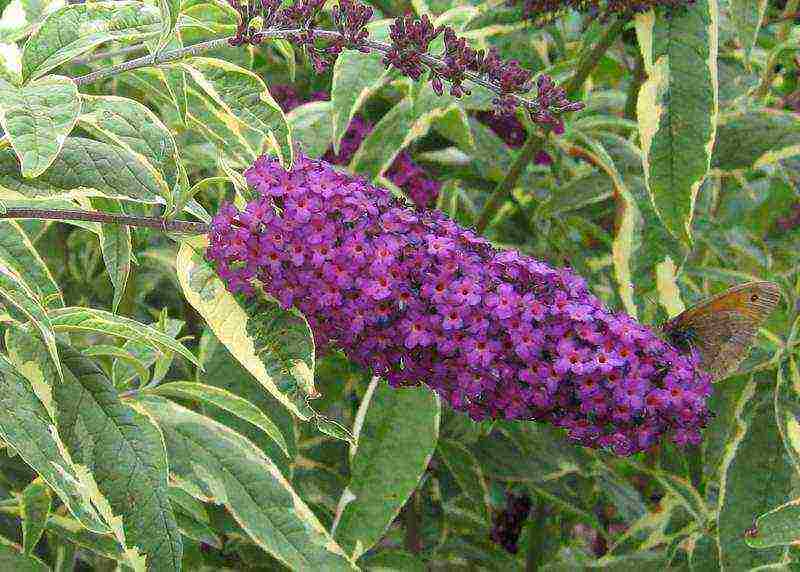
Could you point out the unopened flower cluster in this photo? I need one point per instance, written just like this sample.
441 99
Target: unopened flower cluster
507 524
408 51
412 296
404 172
546 10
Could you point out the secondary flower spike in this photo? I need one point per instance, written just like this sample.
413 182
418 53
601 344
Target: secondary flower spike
415 298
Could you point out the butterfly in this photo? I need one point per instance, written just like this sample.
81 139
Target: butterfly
722 328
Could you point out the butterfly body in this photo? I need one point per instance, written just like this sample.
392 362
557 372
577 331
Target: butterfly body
723 327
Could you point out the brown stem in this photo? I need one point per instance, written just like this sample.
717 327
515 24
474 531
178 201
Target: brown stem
180 226
411 522
535 142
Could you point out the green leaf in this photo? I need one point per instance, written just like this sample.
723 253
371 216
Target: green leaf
356 76
750 140
333 429
77 28
18 252
224 371
678 108
704 554
34 505
147 355
130 125
227 401
396 432
84 168
120 354
72 531
12 559
281 365
170 9
787 409
213 463
244 95
115 244
125 452
37 119
778 527
26 427
754 452
77 319
466 470
311 127
16 292
748 15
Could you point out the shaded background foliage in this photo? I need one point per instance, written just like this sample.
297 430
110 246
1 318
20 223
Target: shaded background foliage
150 420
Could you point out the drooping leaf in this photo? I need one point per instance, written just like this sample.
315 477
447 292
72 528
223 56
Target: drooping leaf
71 530
218 465
705 554
13 559
77 319
356 76
245 96
145 354
677 108
752 139
18 294
77 28
225 400
37 119
26 426
396 432
276 347
84 168
170 10
754 451
115 244
125 452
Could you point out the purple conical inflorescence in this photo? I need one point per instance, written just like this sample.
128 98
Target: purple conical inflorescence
412 296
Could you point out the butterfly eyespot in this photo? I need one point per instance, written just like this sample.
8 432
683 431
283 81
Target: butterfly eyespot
754 298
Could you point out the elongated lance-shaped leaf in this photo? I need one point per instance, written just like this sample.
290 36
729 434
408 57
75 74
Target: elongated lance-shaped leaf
78 319
37 119
356 76
34 504
753 139
787 408
754 451
677 108
84 168
115 244
396 432
275 346
245 96
147 355
130 125
71 531
26 427
225 400
170 10
125 453
466 470
704 553
311 127
215 464
77 28
16 292
748 15
18 252
12 559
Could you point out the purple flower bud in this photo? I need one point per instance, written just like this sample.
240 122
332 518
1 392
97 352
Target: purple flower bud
507 524
415 298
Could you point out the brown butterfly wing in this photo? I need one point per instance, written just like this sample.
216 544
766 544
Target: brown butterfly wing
723 327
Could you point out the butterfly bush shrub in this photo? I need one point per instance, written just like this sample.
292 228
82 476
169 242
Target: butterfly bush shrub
381 285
